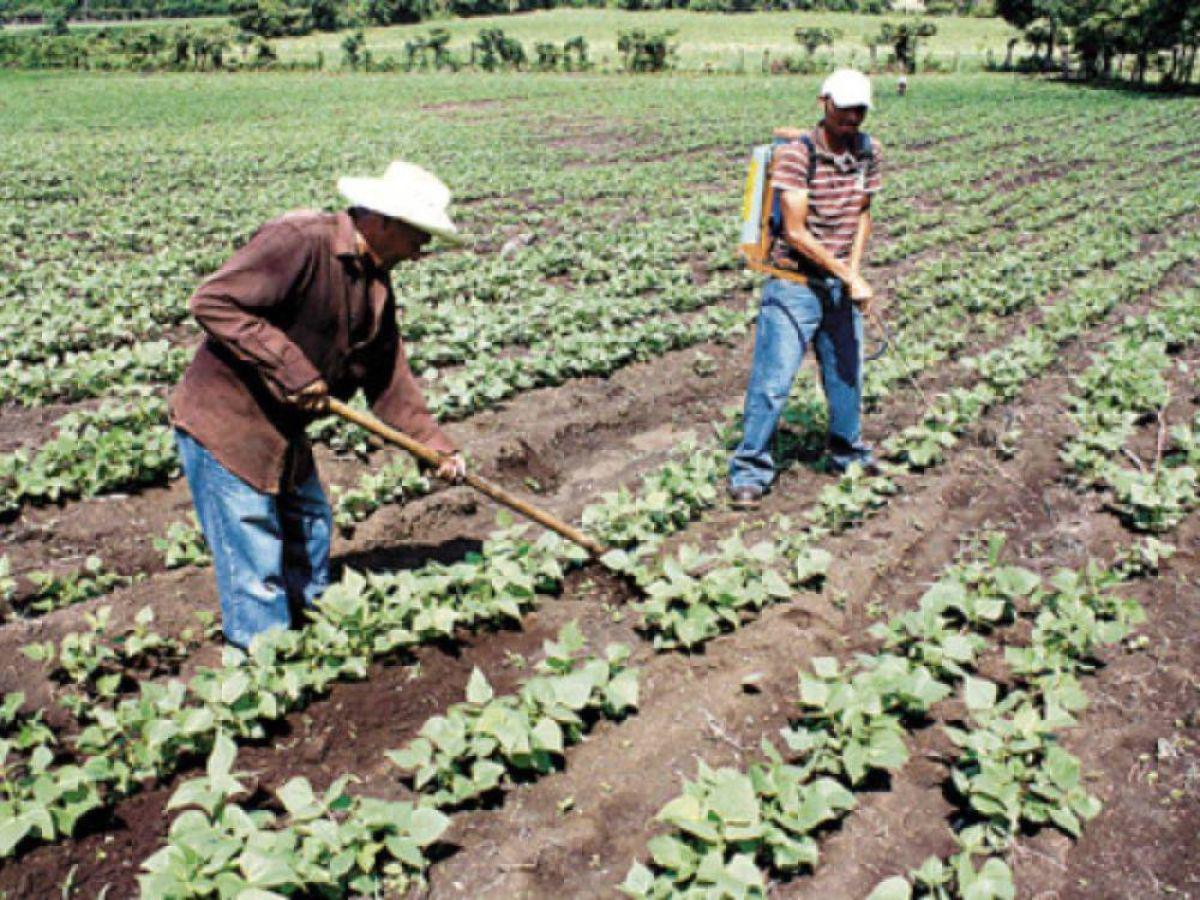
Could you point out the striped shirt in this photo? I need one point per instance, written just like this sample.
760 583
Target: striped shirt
835 197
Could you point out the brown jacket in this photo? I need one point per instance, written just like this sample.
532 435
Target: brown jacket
297 303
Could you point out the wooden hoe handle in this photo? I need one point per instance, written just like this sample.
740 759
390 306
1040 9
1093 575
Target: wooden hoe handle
497 493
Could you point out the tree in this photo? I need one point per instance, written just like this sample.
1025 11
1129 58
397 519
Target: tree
271 18
575 54
497 50
352 46
904 38
813 38
1100 31
326 15
418 49
56 23
1008 52
477 7
548 56
398 12
643 51
1017 13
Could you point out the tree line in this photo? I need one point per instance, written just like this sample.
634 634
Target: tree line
1110 39
334 14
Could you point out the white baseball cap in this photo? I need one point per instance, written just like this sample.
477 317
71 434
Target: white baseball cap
847 87
406 192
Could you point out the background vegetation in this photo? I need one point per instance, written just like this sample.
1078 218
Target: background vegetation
395 11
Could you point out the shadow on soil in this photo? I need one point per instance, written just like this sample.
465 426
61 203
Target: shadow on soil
410 556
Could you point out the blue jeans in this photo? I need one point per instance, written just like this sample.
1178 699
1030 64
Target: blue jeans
269 552
792 317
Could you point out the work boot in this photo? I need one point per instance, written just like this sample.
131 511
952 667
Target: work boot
746 496
867 463
842 456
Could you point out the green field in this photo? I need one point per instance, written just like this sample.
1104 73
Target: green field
96 25
720 41
914 682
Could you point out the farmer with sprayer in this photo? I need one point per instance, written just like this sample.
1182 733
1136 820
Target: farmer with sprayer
301 313
822 181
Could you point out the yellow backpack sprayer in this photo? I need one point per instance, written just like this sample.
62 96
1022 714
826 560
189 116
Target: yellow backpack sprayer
762 217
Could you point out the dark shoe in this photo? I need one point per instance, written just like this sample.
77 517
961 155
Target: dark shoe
843 454
867 463
745 497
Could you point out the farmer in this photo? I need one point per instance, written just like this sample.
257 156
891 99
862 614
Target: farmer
302 312
825 180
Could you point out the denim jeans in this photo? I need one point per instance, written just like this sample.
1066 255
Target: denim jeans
269 552
792 317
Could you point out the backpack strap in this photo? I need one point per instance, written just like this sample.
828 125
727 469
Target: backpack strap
776 205
812 157
865 149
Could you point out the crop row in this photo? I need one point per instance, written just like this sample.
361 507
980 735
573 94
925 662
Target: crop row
822 802
676 585
122 364
1012 772
513 303
245 697
125 444
128 738
633 257
96 451
118 445
1126 384
694 221
992 284
729 831
978 282
347 631
340 843
54 590
743 572
684 610
912 348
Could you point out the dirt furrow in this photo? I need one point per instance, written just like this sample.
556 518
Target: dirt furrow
1061 527
586 436
696 706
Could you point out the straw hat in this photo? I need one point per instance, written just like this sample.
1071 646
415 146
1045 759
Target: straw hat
406 192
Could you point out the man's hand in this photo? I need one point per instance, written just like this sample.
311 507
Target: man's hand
860 291
313 398
453 468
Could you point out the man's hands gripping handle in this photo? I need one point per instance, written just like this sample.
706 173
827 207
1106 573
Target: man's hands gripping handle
452 468
860 292
314 398
795 225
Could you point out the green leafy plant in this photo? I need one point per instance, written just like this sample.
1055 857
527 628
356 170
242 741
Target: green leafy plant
463 755
56 591
183 545
327 843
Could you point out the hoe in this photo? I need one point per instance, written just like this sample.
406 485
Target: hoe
485 487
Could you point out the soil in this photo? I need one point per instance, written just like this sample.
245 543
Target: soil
694 706
576 832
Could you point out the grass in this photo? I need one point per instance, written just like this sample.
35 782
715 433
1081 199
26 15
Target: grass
97 24
721 41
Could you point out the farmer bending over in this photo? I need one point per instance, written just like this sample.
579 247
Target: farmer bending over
825 179
303 311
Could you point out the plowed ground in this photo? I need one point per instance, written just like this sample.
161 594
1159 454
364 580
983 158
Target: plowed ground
576 832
